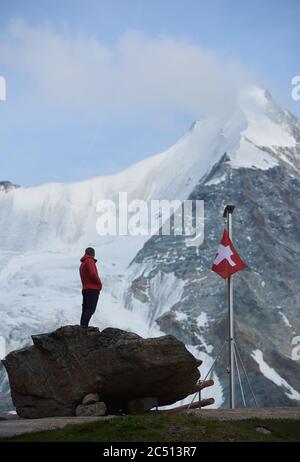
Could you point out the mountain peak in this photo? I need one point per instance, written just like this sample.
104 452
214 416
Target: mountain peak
7 186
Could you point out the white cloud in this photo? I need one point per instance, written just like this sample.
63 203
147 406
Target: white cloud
135 76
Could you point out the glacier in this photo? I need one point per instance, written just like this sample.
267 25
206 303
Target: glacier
44 229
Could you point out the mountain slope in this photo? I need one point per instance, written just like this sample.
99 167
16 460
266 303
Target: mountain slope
251 159
43 231
264 183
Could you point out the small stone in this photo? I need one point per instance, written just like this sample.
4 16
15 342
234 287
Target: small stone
85 410
101 408
91 398
91 410
263 430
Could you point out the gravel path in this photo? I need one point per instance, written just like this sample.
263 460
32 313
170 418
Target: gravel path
16 426
248 413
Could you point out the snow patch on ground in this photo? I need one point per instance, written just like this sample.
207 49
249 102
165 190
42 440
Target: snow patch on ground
250 156
272 375
285 319
216 180
202 320
180 316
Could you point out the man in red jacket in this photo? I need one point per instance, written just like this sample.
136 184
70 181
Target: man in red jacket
91 285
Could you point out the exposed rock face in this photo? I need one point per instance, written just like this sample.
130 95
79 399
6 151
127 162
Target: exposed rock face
52 377
266 231
7 186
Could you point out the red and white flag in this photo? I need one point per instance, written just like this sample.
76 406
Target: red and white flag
227 261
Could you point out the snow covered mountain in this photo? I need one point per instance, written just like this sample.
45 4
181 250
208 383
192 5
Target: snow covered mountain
159 284
260 175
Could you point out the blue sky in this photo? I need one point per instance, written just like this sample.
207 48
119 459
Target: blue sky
93 86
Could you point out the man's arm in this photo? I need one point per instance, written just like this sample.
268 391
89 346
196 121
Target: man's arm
93 273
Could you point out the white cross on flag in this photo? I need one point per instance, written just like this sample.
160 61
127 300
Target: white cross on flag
227 261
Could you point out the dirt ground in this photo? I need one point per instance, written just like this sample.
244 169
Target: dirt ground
16 426
247 413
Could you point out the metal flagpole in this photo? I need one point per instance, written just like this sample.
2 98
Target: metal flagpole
228 215
234 354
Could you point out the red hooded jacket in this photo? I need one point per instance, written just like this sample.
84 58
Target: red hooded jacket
89 274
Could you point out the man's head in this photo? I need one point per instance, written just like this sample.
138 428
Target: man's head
90 251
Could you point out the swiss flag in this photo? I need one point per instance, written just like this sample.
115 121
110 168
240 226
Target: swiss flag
227 261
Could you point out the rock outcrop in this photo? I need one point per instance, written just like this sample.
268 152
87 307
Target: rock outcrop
94 409
7 186
52 377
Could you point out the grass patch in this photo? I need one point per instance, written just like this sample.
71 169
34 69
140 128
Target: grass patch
160 427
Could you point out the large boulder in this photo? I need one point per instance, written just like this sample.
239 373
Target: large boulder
52 377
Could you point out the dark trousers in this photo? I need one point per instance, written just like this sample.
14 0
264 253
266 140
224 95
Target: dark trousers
89 304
